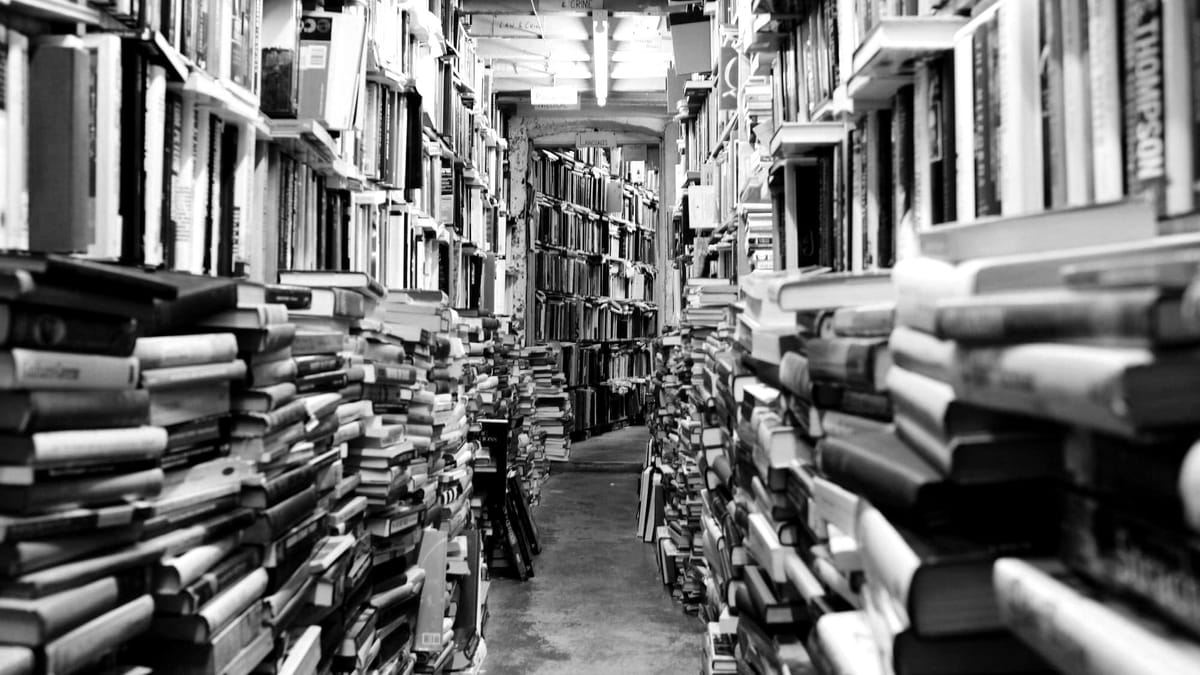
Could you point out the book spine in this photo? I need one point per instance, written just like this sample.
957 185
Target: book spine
48 329
52 448
88 643
213 582
287 485
1104 52
182 350
318 363
174 574
1018 132
30 369
1078 634
1144 119
980 63
964 128
1178 114
1054 152
59 171
81 491
1045 321
1077 96
222 609
275 520
36 411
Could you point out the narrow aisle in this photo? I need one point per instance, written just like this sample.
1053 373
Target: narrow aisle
595 604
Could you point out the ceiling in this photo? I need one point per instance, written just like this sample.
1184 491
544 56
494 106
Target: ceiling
557 48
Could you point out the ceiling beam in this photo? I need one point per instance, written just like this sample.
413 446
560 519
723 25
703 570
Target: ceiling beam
557 6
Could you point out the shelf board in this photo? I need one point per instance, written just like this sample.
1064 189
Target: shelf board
793 139
227 99
885 59
56 10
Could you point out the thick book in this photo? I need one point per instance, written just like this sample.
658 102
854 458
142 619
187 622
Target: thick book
28 412
79 447
41 369
216 614
247 317
1157 317
188 376
169 351
277 519
264 491
1121 390
854 363
357 281
210 658
252 424
265 340
317 342
190 598
942 582
89 643
887 472
84 491
69 522
1077 629
827 291
264 399
173 573
21 557
65 331
36 622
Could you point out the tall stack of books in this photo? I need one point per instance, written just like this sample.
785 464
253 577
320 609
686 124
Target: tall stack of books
552 411
83 459
705 300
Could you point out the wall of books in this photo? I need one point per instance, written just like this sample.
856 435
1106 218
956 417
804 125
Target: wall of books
591 270
241 139
907 421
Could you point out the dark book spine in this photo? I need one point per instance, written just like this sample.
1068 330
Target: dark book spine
327 381
1054 148
191 456
292 297
903 172
1128 553
980 62
1145 128
195 432
317 363
278 518
995 122
287 485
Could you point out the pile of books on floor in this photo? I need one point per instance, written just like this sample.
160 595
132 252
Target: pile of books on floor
705 300
530 463
552 411
964 466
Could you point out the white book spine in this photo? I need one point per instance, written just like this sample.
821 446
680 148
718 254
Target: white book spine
922 190
1104 61
1021 111
104 49
1178 113
156 118
41 369
1077 102
964 125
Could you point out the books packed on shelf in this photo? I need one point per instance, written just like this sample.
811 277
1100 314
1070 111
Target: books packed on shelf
209 117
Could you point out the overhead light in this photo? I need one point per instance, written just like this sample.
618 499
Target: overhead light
600 56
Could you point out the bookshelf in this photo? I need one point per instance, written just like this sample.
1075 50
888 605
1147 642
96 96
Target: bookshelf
592 270
878 202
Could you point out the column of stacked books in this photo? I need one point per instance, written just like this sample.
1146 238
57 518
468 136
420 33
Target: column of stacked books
530 461
1080 359
551 402
83 460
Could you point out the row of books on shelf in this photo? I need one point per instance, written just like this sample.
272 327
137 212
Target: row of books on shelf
558 175
601 409
601 363
588 277
571 320
208 154
898 472
216 476
557 225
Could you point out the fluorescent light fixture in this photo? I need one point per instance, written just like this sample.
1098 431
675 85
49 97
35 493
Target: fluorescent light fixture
600 57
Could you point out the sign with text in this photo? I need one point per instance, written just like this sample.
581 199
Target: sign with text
595 139
560 98
570 5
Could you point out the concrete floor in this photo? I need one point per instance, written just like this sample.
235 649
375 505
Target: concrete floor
595 605
620 451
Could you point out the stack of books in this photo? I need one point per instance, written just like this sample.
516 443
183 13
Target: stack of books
83 460
552 412
705 300
530 462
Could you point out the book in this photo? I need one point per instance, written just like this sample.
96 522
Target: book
90 642
28 412
1147 314
216 614
35 622
83 491
1075 628
193 596
358 281
247 317
67 331
171 351
190 376
832 291
41 369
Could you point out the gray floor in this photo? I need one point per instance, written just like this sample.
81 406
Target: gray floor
622 450
595 604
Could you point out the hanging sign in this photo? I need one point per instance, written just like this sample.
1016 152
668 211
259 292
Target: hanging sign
595 139
554 98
